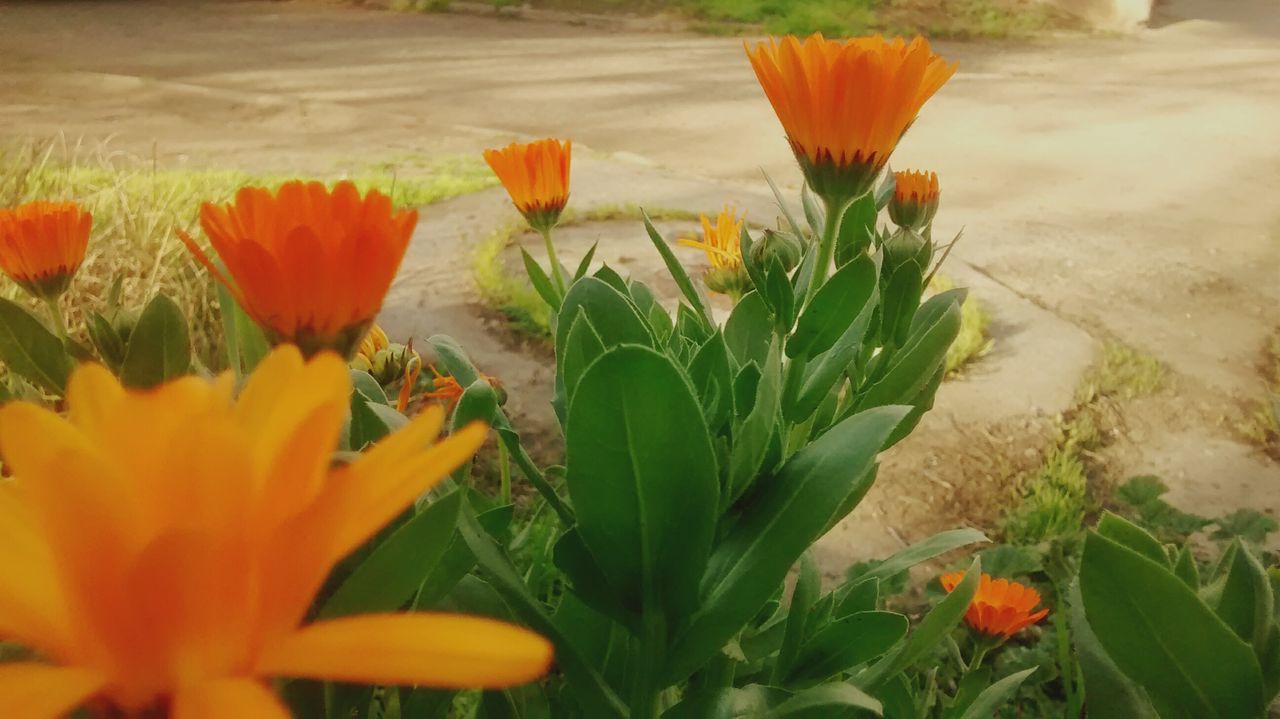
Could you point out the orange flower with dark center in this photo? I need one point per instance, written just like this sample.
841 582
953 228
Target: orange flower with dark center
311 266
42 245
845 104
1000 608
162 549
536 176
915 199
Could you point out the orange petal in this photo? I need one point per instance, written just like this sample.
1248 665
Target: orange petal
29 690
435 650
239 698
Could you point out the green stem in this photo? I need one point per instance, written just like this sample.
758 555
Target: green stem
826 249
979 653
504 473
556 274
55 314
647 690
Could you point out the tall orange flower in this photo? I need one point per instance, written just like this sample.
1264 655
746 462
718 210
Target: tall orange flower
845 104
161 548
536 176
915 199
42 245
311 266
1000 608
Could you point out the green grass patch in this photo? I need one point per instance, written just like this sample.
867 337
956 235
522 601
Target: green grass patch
1261 422
1123 372
137 208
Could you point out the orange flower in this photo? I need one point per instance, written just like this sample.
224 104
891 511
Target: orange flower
722 243
1000 608
162 548
42 245
915 199
536 176
310 266
845 104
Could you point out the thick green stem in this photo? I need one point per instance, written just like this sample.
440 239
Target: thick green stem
556 274
504 473
55 315
646 692
826 249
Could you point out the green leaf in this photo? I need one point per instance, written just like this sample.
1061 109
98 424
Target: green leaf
1250 525
390 576
613 316
923 551
779 295
912 368
814 213
751 440
824 373
847 642
643 478
803 597
246 345
31 351
105 339
935 626
1186 569
1109 693
995 696
1132 536
711 376
1246 603
1163 637
540 281
747 702
749 330
610 276
364 384
857 228
835 306
691 292
159 348
582 676
1137 491
584 265
582 346
826 701
900 297
366 426
774 529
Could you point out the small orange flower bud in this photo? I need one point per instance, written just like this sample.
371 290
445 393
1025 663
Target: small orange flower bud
915 199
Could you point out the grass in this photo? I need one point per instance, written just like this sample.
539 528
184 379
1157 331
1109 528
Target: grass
511 294
1261 423
1057 497
836 18
137 206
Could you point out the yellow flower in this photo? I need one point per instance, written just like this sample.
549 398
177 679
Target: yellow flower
845 104
42 245
162 548
722 243
376 340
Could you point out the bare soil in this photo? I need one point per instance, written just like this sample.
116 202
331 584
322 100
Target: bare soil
1113 187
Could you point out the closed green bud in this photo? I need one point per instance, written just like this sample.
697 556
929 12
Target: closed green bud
775 244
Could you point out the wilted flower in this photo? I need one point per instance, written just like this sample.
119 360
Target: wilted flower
163 548
915 199
536 176
722 243
310 266
845 104
42 245
1000 608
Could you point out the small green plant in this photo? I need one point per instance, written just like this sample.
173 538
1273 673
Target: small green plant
1261 423
1123 372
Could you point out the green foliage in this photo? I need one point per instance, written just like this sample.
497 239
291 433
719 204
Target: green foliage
1054 503
1123 372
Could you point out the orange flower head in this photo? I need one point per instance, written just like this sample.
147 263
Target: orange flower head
536 176
722 243
42 245
1000 608
845 104
915 199
311 266
163 548
446 389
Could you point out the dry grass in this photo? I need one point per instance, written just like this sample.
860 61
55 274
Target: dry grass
1261 423
137 207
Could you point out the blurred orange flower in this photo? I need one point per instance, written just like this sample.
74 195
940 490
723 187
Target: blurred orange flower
1000 608
42 245
845 104
311 266
915 199
536 176
162 548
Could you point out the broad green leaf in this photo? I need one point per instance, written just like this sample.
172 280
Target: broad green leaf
862 595
159 348
914 365
803 597
847 642
1246 603
779 295
390 576
824 373
711 375
995 696
857 228
775 529
31 351
900 296
751 439
826 701
366 426
749 330
613 316
105 339
834 308
581 675
246 345
749 702
581 347
610 276
923 551
691 292
935 626
1109 693
1132 536
454 359
364 384
1186 569
540 281
643 478
1163 637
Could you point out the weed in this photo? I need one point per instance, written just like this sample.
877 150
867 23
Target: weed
1261 423
1124 373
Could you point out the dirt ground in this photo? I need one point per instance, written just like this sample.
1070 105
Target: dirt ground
1109 187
